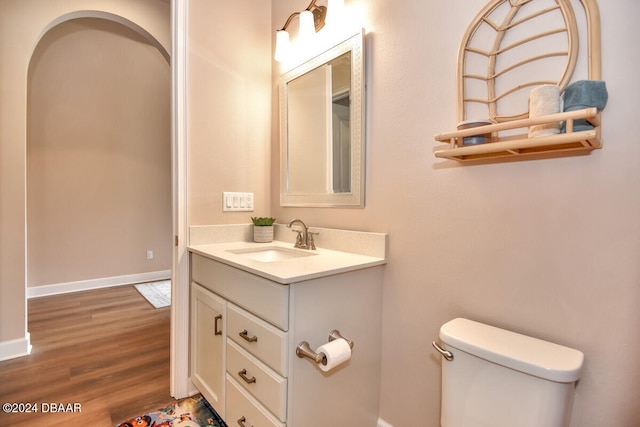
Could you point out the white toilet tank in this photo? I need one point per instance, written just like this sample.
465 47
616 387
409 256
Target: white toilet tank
499 378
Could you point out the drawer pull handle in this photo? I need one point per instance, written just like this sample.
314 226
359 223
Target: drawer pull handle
245 334
217 330
241 422
243 375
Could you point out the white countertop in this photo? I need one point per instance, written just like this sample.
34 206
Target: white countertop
324 262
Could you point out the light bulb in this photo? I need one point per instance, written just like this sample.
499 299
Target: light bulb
335 11
307 26
282 46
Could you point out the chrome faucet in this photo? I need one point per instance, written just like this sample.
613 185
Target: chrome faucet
305 237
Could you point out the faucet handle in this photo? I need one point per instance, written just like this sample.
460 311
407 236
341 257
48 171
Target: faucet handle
312 243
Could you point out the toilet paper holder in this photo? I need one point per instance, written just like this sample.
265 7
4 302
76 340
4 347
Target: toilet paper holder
304 350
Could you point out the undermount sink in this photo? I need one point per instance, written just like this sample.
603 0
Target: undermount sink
271 253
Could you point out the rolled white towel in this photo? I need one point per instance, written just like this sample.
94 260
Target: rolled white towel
544 100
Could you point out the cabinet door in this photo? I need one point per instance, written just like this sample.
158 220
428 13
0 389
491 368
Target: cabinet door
208 338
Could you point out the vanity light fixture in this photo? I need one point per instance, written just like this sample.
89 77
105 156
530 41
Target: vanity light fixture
335 9
311 19
307 25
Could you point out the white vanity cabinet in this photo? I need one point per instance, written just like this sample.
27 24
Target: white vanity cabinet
266 384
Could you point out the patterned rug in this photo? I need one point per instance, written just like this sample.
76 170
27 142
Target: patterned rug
193 411
157 293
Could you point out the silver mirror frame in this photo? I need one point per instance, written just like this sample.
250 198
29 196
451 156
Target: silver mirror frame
354 198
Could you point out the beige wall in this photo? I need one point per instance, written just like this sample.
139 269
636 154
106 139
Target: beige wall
22 24
98 154
546 248
229 95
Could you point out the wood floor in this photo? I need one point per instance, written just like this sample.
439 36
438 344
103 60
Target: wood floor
106 349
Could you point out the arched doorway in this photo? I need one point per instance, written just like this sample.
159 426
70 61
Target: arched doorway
179 374
162 22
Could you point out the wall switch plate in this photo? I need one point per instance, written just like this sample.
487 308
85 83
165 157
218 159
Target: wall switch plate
237 202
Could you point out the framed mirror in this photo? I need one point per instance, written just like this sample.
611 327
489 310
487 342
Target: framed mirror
322 147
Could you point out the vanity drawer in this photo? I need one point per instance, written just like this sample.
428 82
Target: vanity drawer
258 379
244 410
267 343
268 300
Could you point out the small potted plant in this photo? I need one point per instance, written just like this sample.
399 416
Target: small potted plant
262 229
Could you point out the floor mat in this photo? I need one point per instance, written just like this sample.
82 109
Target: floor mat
157 293
193 411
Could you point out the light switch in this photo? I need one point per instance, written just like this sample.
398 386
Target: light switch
237 202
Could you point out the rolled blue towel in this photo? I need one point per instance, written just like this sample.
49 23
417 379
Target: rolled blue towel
584 94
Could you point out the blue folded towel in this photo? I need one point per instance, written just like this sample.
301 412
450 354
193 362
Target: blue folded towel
584 94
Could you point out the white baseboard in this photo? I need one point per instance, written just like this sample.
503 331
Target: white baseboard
15 348
85 285
383 423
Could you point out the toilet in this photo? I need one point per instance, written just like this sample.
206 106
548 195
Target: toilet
492 377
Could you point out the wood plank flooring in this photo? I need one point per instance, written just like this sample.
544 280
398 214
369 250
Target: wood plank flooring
106 349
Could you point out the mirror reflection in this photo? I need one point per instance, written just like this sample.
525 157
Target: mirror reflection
321 129
318 114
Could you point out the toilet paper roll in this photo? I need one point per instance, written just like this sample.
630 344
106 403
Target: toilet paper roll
544 100
336 352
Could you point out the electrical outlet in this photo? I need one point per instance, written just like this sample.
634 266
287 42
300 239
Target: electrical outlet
237 202
149 254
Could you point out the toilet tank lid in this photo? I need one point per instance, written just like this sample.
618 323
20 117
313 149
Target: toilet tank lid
520 352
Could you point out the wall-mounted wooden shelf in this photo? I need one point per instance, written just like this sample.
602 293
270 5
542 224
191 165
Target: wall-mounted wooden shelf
519 144
509 134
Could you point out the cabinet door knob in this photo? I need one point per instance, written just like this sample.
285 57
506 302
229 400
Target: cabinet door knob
245 335
243 375
217 330
241 422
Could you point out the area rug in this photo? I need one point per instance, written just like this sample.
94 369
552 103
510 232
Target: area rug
193 411
157 293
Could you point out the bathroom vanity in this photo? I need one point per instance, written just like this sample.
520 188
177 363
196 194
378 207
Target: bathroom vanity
252 305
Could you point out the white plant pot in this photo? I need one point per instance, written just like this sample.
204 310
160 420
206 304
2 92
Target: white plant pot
263 234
